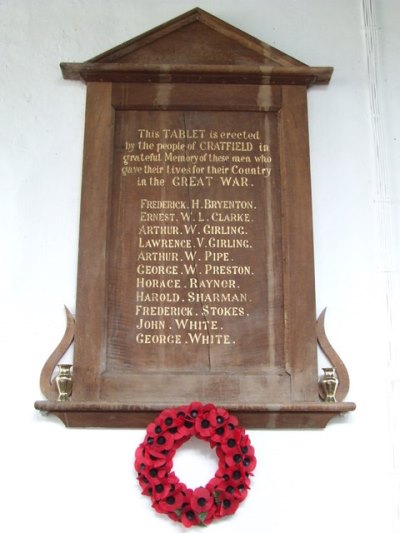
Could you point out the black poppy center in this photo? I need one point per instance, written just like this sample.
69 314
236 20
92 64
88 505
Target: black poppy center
201 502
237 458
219 431
220 419
168 421
231 443
158 429
161 440
159 488
171 500
153 472
193 413
205 424
236 474
190 515
226 504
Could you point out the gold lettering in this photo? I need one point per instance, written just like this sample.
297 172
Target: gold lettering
158 256
183 134
156 217
229 181
157 270
195 283
158 230
216 256
196 324
253 135
201 338
163 311
213 242
186 249
223 311
192 181
164 243
230 217
251 171
158 297
155 283
210 229
226 146
216 297
228 270
150 324
228 204
142 338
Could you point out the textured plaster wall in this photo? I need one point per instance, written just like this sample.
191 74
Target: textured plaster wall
344 478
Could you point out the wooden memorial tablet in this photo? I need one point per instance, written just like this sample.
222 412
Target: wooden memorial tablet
195 277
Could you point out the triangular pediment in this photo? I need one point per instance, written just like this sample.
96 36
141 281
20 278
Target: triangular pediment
196 47
196 37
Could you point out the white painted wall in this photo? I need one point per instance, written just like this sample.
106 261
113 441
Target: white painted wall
343 478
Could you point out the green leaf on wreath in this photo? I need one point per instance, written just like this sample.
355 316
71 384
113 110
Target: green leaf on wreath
202 517
178 512
216 497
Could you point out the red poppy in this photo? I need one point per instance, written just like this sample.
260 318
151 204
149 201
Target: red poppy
213 484
152 430
233 459
249 460
203 426
223 424
193 410
220 416
155 475
187 429
147 490
237 491
231 441
161 442
189 518
238 476
161 489
228 504
201 500
171 503
155 458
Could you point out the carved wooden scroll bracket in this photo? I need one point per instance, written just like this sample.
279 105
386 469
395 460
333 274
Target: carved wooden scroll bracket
47 382
334 359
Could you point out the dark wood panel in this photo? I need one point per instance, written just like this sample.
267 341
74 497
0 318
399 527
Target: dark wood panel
90 336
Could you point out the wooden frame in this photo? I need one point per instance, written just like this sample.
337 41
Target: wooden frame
115 382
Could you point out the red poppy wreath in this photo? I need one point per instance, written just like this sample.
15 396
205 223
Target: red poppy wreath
224 492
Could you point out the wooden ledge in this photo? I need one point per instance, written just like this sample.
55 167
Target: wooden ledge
257 74
118 415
